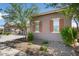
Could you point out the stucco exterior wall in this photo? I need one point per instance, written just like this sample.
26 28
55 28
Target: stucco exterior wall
46 34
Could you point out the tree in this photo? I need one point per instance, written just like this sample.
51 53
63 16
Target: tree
69 10
19 14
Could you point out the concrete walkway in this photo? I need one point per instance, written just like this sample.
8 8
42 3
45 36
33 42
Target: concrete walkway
4 38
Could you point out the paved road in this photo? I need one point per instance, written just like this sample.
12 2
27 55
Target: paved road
4 38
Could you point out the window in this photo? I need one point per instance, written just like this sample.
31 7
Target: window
56 25
36 26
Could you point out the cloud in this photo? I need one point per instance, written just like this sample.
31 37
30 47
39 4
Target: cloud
1 16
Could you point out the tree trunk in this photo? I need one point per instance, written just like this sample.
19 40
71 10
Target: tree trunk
25 33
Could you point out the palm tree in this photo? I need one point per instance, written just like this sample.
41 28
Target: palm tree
19 14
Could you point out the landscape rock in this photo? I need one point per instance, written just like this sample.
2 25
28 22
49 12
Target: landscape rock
21 54
77 50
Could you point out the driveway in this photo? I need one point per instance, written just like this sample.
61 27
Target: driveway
8 51
4 38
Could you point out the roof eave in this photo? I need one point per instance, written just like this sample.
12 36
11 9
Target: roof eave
45 13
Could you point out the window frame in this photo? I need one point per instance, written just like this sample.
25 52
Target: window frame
58 25
35 27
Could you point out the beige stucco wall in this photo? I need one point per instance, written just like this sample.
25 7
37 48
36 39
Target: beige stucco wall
46 34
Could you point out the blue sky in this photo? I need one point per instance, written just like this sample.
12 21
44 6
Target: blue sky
41 6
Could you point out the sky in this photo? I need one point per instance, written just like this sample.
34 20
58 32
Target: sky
41 6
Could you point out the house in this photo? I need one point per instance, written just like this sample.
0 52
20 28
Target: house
1 29
47 26
12 28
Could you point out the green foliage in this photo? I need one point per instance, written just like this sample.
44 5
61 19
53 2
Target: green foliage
6 33
43 48
0 32
30 36
69 35
19 14
45 43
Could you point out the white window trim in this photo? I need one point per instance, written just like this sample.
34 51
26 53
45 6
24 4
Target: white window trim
37 32
37 22
54 31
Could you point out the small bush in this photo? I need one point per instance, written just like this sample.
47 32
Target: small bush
6 33
30 37
0 32
69 35
43 48
45 42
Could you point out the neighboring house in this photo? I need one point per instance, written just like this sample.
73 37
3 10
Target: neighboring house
10 27
48 25
1 29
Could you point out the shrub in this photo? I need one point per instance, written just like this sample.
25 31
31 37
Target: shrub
0 32
45 42
30 36
69 35
43 48
5 33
